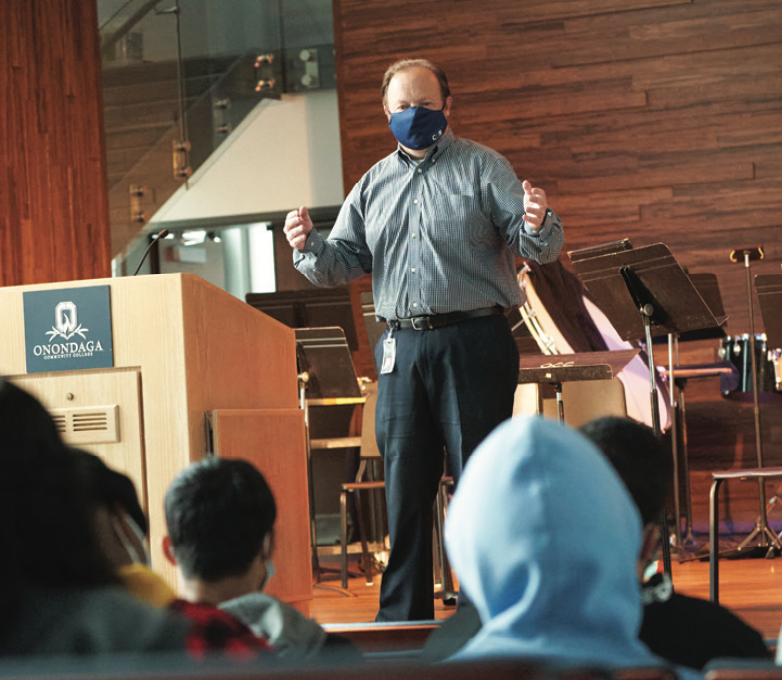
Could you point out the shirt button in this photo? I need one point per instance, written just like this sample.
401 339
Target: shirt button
415 200
413 269
419 171
414 234
415 304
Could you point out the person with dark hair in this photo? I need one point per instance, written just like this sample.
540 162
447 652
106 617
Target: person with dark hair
686 630
121 528
58 593
220 517
438 224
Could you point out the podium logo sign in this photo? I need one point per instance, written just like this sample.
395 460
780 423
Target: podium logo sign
68 329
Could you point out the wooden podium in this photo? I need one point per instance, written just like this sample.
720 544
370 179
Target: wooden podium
196 371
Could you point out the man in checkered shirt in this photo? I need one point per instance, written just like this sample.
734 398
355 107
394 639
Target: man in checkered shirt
437 224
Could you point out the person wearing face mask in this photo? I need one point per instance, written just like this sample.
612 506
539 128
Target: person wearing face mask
437 224
121 528
220 517
60 596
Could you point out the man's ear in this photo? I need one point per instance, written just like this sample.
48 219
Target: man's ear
447 107
168 550
387 112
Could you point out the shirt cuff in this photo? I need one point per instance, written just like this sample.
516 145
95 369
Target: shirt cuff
313 247
536 232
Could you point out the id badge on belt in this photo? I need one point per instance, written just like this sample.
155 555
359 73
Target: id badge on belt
389 353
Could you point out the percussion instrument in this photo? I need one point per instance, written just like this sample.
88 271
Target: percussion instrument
736 349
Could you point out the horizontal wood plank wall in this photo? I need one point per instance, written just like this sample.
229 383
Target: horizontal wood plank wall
653 120
53 188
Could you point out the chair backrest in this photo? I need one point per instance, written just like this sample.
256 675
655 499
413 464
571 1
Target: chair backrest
582 401
587 400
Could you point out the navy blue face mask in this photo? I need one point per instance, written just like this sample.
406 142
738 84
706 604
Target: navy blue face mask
418 128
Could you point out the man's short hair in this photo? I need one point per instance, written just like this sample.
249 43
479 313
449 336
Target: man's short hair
640 459
406 64
218 512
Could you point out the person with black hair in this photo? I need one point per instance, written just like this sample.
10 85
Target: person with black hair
121 528
687 630
58 593
220 517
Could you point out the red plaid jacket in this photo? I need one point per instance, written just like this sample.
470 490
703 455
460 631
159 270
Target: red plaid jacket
214 630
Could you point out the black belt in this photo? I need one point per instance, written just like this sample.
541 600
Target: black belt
429 323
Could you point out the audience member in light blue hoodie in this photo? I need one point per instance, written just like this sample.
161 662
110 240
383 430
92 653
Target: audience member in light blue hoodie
545 539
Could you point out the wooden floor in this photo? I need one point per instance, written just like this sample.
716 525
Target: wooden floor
751 588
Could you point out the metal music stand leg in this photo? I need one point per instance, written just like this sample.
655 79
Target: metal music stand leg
762 531
679 411
674 442
560 403
688 539
647 311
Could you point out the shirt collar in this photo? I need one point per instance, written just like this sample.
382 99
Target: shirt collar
445 141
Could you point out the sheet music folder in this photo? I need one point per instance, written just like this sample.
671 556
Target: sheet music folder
324 354
559 368
622 278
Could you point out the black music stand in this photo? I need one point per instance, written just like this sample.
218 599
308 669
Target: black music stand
644 292
708 287
310 308
327 377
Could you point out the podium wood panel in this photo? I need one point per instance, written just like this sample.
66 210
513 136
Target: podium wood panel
196 349
274 441
105 387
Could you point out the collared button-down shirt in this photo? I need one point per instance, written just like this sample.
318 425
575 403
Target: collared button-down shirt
437 236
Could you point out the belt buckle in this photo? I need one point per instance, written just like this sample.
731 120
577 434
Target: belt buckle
425 321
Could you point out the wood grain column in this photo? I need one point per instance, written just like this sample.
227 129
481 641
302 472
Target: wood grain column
53 189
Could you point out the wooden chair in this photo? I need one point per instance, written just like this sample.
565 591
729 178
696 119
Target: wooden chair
583 401
369 453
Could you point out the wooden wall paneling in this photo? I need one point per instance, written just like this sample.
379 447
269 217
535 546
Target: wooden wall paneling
654 121
53 190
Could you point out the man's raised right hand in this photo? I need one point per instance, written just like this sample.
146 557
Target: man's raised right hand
298 226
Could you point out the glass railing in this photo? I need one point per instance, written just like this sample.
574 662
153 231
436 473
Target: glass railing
179 76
